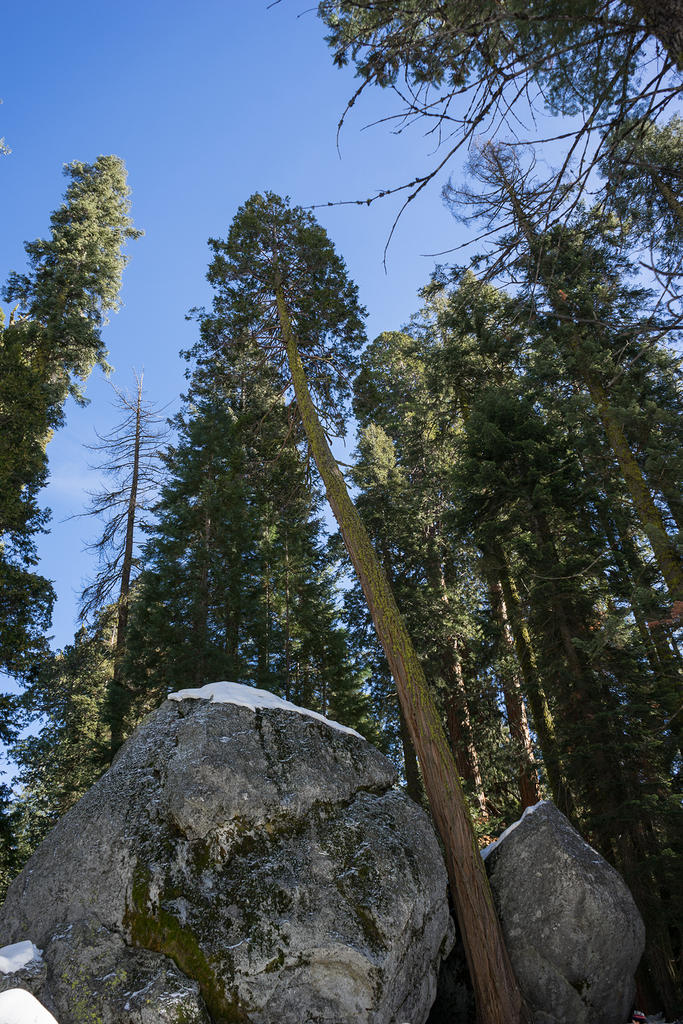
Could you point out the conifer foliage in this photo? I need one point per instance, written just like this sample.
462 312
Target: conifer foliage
236 582
515 526
550 585
131 453
285 286
50 342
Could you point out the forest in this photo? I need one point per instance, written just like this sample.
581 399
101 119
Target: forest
491 589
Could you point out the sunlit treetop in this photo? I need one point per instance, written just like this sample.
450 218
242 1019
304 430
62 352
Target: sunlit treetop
272 246
74 276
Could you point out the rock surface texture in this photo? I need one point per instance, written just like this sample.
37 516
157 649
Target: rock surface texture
90 976
573 932
261 854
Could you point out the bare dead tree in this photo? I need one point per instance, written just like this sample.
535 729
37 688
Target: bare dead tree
131 462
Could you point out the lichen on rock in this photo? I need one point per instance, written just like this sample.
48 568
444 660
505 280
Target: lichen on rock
267 857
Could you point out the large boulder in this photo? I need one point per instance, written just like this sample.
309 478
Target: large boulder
263 853
573 932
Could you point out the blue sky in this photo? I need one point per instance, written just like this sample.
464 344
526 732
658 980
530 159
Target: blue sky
206 104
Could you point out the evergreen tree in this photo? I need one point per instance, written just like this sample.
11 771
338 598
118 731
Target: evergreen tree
282 282
52 338
642 166
470 71
405 454
534 487
605 329
236 581
60 761
10 855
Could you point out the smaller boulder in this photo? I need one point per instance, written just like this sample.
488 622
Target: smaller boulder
573 931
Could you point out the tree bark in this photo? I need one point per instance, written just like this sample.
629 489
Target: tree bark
201 613
412 771
458 717
538 702
651 518
459 724
527 776
497 994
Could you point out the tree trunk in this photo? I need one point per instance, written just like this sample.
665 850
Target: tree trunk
412 771
527 777
538 702
288 642
201 611
590 712
117 695
651 518
460 729
414 787
497 994
458 717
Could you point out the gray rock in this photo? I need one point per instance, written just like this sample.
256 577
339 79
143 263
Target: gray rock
90 976
265 853
32 977
573 932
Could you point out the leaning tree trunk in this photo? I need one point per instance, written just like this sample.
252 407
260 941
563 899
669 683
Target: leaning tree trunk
497 994
649 514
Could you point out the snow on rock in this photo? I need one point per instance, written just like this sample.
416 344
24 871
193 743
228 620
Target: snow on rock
252 698
16 956
529 810
19 1007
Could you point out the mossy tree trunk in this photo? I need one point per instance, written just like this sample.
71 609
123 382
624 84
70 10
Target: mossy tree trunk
497 994
649 514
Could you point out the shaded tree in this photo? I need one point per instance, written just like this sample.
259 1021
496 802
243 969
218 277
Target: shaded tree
69 747
237 582
606 330
534 486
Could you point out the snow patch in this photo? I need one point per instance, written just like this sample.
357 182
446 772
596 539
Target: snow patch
529 810
252 698
19 1007
13 958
